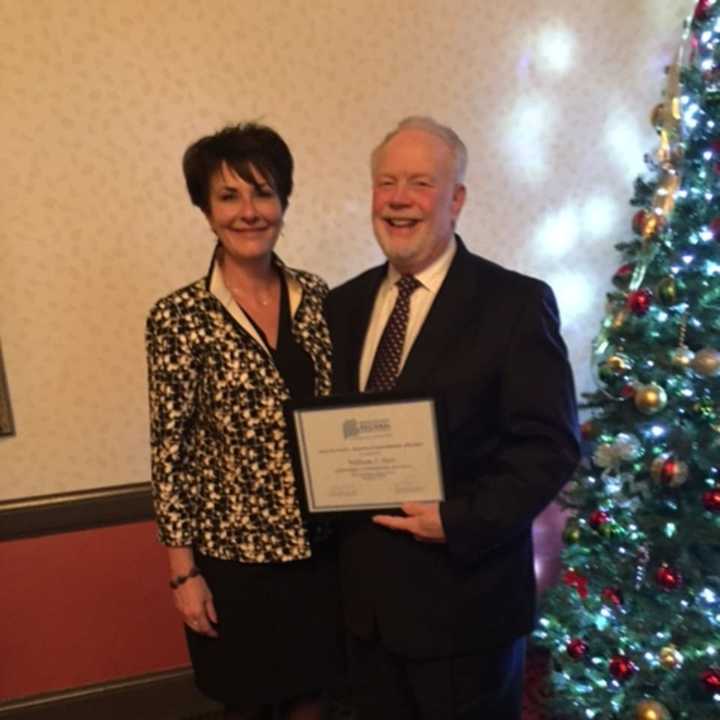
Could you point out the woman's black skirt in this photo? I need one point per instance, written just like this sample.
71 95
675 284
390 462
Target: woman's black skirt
279 627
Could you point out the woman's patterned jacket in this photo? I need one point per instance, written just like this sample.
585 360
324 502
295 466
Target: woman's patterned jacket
222 477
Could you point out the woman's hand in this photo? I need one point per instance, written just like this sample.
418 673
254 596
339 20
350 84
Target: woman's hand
194 601
193 598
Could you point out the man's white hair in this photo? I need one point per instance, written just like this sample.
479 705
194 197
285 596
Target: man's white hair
431 126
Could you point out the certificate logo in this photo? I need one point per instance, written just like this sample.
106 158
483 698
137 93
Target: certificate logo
354 428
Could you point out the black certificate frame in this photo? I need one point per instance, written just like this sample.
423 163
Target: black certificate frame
295 409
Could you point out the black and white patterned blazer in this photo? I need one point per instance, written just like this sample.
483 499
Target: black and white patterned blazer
222 478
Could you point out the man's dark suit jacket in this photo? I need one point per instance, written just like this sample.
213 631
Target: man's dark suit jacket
491 351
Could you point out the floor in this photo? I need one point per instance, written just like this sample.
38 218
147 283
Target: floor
534 703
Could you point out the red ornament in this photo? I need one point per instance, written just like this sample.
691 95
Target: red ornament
694 44
628 392
711 679
702 10
639 302
669 471
714 228
711 500
668 578
715 145
638 221
589 430
574 579
576 648
622 275
621 667
612 596
598 518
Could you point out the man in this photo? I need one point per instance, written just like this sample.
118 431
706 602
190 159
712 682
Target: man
439 598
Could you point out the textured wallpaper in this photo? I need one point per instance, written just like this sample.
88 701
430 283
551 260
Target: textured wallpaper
98 100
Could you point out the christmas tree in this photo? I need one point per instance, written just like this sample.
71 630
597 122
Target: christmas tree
634 625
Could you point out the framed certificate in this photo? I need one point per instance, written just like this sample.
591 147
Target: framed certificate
365 452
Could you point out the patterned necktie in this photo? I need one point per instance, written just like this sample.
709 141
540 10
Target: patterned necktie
386 363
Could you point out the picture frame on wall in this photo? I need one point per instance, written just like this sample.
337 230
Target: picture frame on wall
7 426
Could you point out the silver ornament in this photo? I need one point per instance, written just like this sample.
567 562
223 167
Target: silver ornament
613 483
628 447
605 456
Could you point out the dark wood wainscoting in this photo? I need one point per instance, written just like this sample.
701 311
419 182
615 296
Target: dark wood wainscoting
160 696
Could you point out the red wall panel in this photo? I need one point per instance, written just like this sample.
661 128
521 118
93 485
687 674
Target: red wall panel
85 607
88 607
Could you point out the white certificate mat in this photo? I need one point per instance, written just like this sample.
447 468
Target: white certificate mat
368 456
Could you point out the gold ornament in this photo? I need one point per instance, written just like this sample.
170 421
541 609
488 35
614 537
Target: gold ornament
670 657
668 291
664 151
668 471
650 399
572 533
665 117
682 357
619 363
706 362
651 226
615 366
651 710
673 90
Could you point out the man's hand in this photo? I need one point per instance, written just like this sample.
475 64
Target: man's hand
422 521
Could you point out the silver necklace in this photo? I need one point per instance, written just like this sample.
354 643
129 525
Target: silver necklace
263 301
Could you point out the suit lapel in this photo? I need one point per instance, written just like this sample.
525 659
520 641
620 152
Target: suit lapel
449 315
358 321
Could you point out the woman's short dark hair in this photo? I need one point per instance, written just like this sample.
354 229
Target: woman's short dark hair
241 147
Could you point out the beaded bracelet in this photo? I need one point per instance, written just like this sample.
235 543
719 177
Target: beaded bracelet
176 582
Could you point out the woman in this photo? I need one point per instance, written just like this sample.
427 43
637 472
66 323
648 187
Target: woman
254 584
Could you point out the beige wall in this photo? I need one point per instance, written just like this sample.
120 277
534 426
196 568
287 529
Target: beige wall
98 99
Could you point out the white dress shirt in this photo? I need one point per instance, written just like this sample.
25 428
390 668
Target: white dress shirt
431 278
